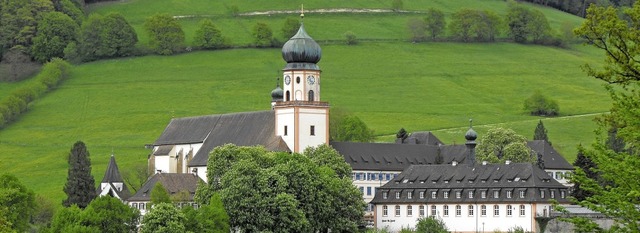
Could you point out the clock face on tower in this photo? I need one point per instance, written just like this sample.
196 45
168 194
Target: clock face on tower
287 80
311 80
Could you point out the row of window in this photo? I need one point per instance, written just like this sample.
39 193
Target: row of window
146 205
559 175
370 190
471 193
312 130
373 176
458 210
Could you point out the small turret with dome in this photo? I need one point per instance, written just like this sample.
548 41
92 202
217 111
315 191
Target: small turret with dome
301 51
471 137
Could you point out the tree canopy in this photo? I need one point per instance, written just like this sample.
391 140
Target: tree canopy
208 36
281 192
499 145
616 34
55 31
290 27
435 23
346 127
540 133
262 35
103 214
17 204
163 217
166 36
539 105
159 194
80 187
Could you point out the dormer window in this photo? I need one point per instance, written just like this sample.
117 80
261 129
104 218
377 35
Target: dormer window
397 195
434 194
385 195
409 195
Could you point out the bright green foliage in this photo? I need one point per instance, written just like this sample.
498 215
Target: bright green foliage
524 24
163 217
475 25
325 155
17 203
109 214
435 23
104 214
80 187
417 28
55 31
5 225
159 195
72 10
499 145
262 34
165 34
540 132
19 21
431 225
615 192
208 36
211 217
345 127
69 220
43 214
539 105
350 38
290 27
281 192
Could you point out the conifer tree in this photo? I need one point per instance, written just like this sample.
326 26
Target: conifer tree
80 187
585 164
541 132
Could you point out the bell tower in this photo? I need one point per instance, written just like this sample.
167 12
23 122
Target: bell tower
302 120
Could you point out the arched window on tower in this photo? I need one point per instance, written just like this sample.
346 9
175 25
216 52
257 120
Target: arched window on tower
288 96
311 95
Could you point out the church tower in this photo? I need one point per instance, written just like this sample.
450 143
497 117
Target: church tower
302 120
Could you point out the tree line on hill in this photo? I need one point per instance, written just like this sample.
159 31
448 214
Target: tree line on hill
579 7
521 24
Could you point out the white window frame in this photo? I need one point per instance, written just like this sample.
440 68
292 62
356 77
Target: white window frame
385 210
397 211
471 210
509 210
421 210
409 210
496 210
483 210
458 210
522 210
445 210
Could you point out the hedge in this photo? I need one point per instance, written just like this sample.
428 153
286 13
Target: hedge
16 103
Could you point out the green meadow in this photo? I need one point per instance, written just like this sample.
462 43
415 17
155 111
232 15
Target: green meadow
117 106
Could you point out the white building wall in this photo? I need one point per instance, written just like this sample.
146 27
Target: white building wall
318 118
463 222
285 117
299 90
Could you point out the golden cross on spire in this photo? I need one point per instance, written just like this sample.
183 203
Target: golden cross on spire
302 12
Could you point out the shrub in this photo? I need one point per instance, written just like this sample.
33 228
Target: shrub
431 224
208 36
350 38
263 36
166 36
539 105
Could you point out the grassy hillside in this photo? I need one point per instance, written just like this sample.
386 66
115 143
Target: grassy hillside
328 26
121 105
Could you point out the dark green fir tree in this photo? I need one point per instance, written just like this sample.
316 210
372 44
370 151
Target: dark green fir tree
541 132
588 166
80 187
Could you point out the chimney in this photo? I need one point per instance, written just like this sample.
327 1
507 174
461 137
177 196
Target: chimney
454 163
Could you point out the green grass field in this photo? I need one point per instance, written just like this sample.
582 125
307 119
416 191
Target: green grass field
120 105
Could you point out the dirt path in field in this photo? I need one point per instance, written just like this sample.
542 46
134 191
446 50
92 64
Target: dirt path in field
319 11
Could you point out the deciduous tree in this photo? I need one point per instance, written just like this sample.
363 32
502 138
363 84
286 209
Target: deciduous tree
346 127
165 34
55 31
616 34
17 203
208 36
539 105
290 27
417 29
499 145
80 187
262 35
435 23
431 224
159 195
109 215
163 217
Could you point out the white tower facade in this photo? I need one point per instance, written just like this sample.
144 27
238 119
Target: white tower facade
302 120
